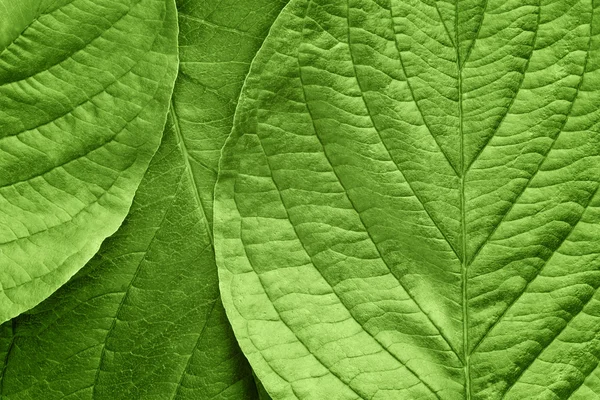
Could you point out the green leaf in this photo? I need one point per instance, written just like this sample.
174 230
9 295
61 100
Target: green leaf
143 320
84 89
408 205
262 392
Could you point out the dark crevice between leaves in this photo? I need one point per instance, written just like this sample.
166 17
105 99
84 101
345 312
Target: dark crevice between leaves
9 352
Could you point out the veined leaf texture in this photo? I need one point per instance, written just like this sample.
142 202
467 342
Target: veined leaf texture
143 319
407 207
84 90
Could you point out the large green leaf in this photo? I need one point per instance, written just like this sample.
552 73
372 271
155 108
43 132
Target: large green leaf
144 319
84 89
408 205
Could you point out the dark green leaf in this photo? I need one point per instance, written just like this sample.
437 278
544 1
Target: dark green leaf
143 320
84 89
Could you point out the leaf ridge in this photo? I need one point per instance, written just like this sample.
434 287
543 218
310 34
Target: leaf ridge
290 328
280 105
410 88
407 181
197 344
498 125
580 384
188 167
86 45
439 13
388 149
367 232
523 370
550 148
334 292
513 302
472 44
130 286
463 224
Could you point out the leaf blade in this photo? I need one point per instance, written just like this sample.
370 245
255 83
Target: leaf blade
75 142
354 196
144 319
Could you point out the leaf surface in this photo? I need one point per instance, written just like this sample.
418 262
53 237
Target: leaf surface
144 320
407 207
84 89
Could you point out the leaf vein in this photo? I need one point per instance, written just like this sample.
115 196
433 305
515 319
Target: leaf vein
498 125
410 88
401 173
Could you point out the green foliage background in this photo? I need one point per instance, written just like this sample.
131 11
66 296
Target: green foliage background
386 199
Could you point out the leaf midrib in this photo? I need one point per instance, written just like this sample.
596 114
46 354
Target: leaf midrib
464 169
466 262
463 224
188 168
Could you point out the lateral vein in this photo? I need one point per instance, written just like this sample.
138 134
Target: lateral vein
407 182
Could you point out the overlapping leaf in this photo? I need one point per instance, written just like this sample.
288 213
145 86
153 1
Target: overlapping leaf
408 204
84 89
144 319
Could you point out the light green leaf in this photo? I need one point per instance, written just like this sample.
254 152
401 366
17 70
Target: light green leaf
84 89
143 320
262 392
408 205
